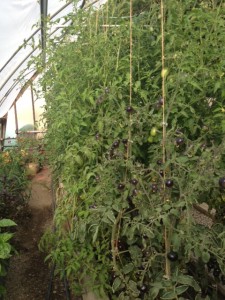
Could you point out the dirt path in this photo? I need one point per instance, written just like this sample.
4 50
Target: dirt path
28 275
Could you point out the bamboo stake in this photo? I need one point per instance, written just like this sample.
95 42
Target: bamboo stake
163 73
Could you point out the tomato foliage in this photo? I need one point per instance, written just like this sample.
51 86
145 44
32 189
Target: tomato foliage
105 148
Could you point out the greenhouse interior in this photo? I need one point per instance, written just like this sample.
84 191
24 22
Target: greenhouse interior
112 150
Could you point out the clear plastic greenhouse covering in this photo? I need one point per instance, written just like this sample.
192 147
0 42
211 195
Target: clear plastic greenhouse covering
20 25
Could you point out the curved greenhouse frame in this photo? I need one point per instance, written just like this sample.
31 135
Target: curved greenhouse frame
122 104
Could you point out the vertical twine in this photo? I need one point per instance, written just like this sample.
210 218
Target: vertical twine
117 224
131 76
106 28
96 21
163 81
166 234
131 49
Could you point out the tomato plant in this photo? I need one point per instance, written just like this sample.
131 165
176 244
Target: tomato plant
105 136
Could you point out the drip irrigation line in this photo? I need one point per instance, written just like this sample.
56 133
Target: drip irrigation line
66 285
49 291
50 285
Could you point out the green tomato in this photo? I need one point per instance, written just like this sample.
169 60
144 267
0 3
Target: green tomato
164 72
150 139
153 131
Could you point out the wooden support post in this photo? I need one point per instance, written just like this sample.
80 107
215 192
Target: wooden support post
44 13
1 135
4 126
16 118
2 132
33 107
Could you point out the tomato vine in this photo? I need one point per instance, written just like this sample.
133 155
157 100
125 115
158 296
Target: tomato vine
117 199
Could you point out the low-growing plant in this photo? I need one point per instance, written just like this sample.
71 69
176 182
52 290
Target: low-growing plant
5 250
14 189
32 149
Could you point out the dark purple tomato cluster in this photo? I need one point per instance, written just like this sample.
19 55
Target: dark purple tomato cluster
112 276
122 245
125 142
169 183
154 187
172 256
134 181
132 208
129 109
214 267
160 103
159 162
179 141
143 290
161 173
135 192
222 182
97 136
116 144
121 186
113 151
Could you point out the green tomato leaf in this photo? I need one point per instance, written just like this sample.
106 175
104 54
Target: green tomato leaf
176 241
181 289
188 280
169 296
5 237
205 256
7 223
95 235
128 268
154 292
109 214
116 284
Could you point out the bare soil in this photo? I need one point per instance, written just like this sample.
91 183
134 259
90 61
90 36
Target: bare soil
28 275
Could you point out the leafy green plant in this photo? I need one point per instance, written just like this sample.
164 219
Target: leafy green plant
129 181
5 249
32 149
14 183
